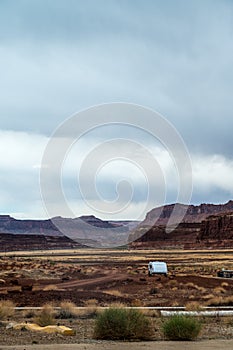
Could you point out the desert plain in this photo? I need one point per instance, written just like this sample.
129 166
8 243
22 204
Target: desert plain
98 278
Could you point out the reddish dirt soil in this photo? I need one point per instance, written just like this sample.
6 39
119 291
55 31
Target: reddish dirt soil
101 278
118 277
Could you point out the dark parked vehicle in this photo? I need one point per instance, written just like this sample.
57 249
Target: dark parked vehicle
225 273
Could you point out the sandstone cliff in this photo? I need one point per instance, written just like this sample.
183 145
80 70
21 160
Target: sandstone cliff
205 225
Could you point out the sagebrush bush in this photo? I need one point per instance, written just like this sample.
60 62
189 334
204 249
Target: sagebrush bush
122 324
45 316
181 327
7 309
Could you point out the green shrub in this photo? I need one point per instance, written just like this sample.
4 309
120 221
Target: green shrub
122 324
180 327
45 316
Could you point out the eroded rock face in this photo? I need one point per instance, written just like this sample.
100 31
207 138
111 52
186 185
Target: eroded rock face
217 227
183 236
204 225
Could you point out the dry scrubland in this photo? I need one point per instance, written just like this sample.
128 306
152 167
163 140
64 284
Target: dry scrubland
95 278
34 278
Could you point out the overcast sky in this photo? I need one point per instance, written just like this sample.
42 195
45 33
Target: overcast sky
59 57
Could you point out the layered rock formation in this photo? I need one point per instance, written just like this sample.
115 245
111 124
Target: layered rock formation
219 227
205 225
193 213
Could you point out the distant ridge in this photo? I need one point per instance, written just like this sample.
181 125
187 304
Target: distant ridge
204 225
194 213
46 227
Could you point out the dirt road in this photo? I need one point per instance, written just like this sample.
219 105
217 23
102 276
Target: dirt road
198 345
92 281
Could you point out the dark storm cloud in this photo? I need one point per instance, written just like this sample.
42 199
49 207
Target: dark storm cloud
176 57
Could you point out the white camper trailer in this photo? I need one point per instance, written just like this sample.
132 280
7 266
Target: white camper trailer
157 267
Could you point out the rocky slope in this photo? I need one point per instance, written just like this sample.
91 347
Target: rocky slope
205 225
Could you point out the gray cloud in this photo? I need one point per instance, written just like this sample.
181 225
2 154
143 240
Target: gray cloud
57 57
20 190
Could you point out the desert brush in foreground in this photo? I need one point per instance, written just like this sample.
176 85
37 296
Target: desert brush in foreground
180 327
122 324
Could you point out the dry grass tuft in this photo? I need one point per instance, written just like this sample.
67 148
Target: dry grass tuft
89 310
136 303
221 301
208 296
151 313
7 309
219 290
175 303
67 310
117 305
46 316
115 293
28 313
193 306
190 285
201 289
50 287
224 284
91 307
172 283
91 302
